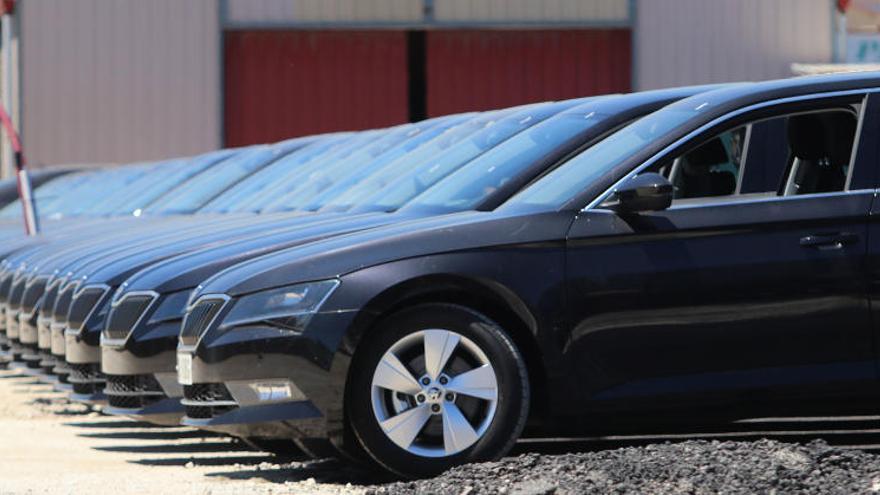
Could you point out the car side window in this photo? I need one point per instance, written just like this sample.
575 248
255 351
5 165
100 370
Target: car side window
789 155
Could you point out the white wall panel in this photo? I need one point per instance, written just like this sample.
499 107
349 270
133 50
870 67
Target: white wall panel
532 10
119 80
681 42
257 12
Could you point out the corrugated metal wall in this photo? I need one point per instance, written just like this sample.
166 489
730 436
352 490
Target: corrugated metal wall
268 12
594 11
312 11
119 80
281 84
698 41
478 70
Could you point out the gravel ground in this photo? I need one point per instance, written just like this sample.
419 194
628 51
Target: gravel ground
697 467
49 445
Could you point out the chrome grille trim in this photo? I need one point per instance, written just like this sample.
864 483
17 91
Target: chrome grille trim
199 318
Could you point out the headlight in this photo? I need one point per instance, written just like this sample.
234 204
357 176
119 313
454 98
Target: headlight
172 307
288 307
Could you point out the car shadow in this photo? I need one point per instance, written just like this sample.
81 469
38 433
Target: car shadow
175 448
121 423
243 460
322 471
170 433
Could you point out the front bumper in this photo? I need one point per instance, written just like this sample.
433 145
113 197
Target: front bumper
151 398
271 384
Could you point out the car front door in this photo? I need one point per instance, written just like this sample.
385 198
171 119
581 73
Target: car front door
751 287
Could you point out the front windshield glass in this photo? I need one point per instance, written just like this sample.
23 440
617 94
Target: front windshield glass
473 183
188 197
111 185
416 159
399 152
119 199
563 184
458 159
313 168
337 170
54 192
280 174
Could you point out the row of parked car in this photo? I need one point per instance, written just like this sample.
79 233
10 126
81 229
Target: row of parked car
423 295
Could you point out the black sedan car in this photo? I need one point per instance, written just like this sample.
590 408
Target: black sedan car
142 328
714 253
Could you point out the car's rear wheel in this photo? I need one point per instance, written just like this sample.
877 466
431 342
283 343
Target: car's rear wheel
435 386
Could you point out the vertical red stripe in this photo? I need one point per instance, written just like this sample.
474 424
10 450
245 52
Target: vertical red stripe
282 84
478 70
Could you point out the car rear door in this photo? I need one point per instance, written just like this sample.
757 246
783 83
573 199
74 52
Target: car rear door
751 287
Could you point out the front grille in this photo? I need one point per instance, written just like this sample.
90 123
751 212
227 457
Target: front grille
32 294
86 373
86 388
82 306
198 319
133 385
125 315
207 392
49 301
132 401
207 412
15 295
5 285
62 305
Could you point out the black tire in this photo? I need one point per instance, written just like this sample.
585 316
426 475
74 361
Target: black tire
510 373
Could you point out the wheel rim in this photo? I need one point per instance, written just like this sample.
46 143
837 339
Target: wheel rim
434 393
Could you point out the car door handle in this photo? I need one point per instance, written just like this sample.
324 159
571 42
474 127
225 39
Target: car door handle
829 241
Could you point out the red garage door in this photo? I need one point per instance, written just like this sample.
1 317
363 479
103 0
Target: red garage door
281 84
478 70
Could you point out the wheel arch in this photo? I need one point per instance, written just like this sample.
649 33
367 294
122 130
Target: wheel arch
494 300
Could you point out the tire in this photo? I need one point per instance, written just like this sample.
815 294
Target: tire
460 427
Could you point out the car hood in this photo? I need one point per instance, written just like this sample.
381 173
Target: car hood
187 270
344 254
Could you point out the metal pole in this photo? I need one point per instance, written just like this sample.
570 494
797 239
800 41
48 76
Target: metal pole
28 203
6 26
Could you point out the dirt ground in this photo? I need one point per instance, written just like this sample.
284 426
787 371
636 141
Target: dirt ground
48 445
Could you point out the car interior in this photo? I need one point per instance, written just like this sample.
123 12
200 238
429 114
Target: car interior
806 153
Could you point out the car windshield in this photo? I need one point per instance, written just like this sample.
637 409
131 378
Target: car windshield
113 183
193 194
409 185
118 201
56 193
473 183
330 175
417 158
312 168
562 185
281 173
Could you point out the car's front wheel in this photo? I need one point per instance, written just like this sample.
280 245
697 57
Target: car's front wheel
435 386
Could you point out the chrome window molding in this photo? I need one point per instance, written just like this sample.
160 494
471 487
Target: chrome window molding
596 203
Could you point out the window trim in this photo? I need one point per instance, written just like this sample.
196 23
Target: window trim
596 203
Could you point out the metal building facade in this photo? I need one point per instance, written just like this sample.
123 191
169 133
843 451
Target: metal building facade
699 41
119 80
280 84
126 80
485 69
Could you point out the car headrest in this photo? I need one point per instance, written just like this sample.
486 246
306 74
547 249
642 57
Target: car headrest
807 136
708 154
842 127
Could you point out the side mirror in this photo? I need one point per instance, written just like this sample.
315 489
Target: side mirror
644 192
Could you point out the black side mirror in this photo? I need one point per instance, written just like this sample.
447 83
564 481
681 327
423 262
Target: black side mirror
645 192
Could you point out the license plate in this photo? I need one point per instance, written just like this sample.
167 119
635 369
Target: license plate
184 368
